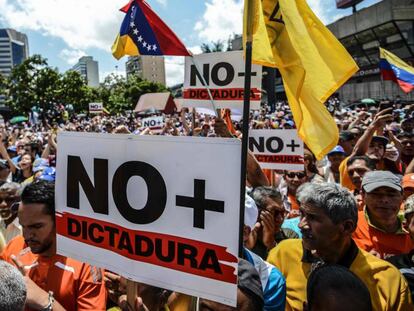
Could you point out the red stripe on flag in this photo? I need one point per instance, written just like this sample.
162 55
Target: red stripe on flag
405 86
177 253
170 44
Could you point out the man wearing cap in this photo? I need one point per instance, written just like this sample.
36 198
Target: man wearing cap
328 218
405 262
379 229
335 157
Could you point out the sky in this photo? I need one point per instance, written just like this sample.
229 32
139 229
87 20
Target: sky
64 30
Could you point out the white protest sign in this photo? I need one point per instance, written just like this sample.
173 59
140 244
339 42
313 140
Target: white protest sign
277 149
224 74
95 107
154 123
143 207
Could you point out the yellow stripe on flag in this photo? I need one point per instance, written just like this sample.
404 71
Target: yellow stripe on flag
123 45
312 62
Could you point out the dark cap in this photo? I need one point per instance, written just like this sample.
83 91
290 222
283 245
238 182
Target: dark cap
375 179
249 282
346 135
381 139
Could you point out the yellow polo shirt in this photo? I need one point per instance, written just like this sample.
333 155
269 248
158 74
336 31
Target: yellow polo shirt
389 290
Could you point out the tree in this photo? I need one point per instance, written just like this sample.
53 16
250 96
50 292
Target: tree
217 46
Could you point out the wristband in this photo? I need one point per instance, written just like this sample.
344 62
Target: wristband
49 306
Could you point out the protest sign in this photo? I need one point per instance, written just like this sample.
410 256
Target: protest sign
154 123
277 149
95 107
224 75
145 207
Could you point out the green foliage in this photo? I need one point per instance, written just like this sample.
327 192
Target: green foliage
217 46
34 83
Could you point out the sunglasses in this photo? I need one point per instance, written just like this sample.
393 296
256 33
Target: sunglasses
299 175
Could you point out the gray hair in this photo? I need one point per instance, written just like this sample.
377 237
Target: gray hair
12 288
261 193
337 202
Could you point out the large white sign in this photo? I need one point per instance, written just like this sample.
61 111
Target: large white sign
159 210
277 149
224 74
95 107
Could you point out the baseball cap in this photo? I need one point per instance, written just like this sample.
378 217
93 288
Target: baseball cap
337 149
381 139
408 181
12 149
40 164
249 282
409 205
375 179
251 211
346 135
290 122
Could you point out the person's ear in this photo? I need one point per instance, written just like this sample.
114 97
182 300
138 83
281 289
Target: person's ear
348 226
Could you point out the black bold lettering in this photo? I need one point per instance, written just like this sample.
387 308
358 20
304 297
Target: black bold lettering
140 250
92 237
84 230
157 192
228 77
259 145
125 242
112 232
170 250
210 261
194 74
74 227
185 251
269 146
97 195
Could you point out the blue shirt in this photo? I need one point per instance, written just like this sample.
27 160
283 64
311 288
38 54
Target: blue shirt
273 282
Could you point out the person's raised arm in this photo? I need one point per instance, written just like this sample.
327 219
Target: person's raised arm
6 156
378 124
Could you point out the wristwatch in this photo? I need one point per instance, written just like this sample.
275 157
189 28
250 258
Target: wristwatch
49 306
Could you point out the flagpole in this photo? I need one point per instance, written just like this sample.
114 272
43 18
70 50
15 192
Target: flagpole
246 115
205 85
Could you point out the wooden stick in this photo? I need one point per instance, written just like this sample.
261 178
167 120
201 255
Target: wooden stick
132 293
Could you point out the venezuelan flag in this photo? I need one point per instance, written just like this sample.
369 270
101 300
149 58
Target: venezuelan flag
144 33
395 69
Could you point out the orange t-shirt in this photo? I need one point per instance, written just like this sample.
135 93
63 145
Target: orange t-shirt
75 285
294 206
379 242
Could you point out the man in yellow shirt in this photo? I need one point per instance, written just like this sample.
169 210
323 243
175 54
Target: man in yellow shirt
328 219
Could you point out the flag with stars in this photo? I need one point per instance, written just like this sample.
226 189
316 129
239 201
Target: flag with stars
395 69
144 33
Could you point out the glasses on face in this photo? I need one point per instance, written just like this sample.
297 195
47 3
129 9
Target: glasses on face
299 175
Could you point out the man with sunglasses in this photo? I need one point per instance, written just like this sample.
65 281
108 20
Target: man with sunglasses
9 223
268 231
292 180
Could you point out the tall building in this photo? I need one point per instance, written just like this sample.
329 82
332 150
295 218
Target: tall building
151 68
88 69
14 49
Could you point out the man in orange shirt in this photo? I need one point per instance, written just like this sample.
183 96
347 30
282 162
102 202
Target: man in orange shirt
53 281
379 229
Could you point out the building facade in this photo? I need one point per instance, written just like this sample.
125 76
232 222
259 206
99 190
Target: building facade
14 49
151 68
88 69
388 24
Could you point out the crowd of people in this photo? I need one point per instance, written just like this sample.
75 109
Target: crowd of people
337 235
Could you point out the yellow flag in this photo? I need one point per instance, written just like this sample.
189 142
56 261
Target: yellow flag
312 62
